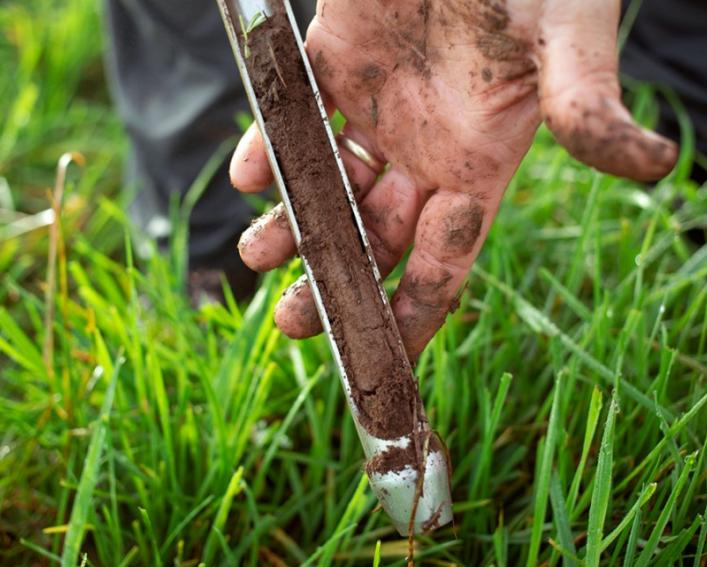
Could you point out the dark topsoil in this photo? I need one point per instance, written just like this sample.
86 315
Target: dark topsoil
379 373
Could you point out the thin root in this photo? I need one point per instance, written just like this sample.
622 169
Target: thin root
419 486
277 67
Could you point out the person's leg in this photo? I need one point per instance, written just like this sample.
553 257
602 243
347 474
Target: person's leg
668 45
176 86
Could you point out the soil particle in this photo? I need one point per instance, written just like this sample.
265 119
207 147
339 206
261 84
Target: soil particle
322 66
411 37
251 234
377 216
425 293
462 229
411 323
385 256
494 15
371 72
424 10
382 385
433 522
500 47
454 305
371 78
431 307
611 143
355 187
279 214
395 459
490 16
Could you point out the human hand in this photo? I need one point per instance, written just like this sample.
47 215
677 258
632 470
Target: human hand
449 94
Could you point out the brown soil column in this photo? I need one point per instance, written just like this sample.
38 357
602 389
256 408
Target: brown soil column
383 387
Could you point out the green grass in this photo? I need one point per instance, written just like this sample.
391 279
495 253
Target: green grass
570 386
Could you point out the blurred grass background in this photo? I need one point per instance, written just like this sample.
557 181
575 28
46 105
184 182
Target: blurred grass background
569 386
54 100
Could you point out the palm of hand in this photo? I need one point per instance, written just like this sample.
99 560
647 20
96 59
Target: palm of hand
406 85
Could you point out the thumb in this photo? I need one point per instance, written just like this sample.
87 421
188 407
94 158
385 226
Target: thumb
580 96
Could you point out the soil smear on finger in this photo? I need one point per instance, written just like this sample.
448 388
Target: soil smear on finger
382 385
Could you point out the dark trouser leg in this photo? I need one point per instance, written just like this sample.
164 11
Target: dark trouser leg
176 86
668 45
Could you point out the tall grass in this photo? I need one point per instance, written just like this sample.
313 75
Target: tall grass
569 386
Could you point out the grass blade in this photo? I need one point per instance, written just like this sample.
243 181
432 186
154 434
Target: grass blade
562 522
500 544
701 541
89 476
602 489
644 497
595 405
632 540
184 523
542 486
40 551
345 527
647 554
234 488
377 554
540 323
156 560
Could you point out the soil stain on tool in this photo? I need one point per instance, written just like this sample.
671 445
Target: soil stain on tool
407 465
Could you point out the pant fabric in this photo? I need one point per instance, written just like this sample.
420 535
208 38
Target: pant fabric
175 84
668 46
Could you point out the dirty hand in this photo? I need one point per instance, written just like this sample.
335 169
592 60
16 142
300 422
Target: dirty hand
449 94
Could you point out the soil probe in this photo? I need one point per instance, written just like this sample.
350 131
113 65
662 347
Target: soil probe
375 373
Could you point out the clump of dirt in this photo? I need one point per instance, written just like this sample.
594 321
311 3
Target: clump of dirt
380 376
395 459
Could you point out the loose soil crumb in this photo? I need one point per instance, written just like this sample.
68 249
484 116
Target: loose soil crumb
381 380
395 459
463 228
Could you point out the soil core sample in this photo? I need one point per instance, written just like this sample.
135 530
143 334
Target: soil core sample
380 377
408 467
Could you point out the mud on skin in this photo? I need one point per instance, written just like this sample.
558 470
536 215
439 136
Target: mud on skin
462 229
618 146
392 99
250 243
380 377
